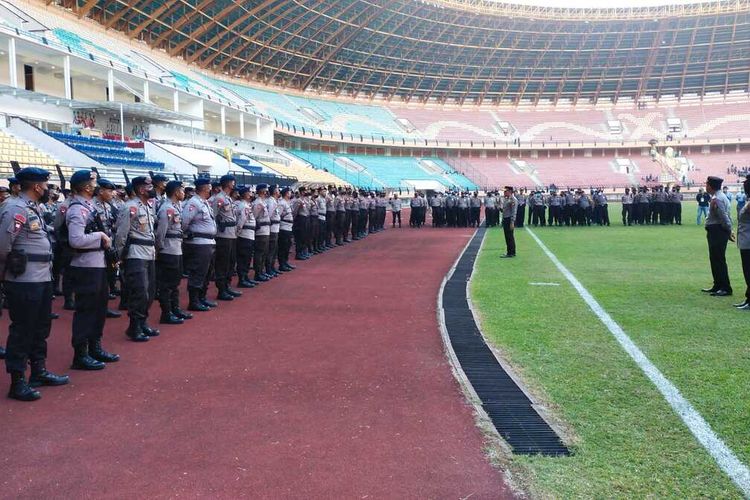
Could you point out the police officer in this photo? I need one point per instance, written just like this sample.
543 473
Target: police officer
168 238
381 205
286 224
245 237
322 215
134 241
88 240
103 197
396 209
272 203
510 210
475 207
300 215
262 232
25 256
330 217
718 233
160 188
199 233
627 208
340 207
226 236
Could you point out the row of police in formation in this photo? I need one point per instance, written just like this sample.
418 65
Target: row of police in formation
148 236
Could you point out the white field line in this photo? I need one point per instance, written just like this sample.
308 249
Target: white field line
737 471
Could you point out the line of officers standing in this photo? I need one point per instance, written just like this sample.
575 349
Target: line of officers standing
147 237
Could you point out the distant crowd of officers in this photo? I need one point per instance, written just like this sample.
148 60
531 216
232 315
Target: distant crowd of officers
139 241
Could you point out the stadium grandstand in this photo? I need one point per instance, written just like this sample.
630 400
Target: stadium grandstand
408 101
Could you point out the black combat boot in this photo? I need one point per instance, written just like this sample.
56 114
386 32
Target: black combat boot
69 304
245 282
231 291
40 376
195 303
147 330
113 314
20 390
82 360
169 318
97 352
135 331
174 305
205 301
223 292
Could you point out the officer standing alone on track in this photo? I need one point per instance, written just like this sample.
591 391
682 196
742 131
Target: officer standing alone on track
510 209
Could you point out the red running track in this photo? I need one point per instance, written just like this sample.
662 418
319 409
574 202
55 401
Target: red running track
329 382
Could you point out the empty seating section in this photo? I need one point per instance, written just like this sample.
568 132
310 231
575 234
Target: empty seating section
497 172
305 174
391 172
107 151
717 164
13 149
247 164
578 172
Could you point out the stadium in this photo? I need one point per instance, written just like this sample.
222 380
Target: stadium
417 363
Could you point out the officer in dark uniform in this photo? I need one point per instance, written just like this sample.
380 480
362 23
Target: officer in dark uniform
509 205
199 232
25 257
226 238
90 243
134 241
103 197
168 240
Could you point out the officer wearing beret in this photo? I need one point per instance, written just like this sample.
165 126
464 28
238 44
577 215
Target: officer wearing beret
286 225
168 240
273 236
322 215
88 240
160 187
330 217
15 187
300 215
25 257
199 233
245 237
718 233
134 241
226 236
103 198
262 232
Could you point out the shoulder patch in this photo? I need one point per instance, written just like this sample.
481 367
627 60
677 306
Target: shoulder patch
63 209
170 212
191 207
20 218
133 210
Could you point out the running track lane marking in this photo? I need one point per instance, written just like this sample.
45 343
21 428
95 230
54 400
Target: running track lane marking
737 471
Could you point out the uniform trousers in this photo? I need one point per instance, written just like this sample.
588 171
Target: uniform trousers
474 215
260 249
677 213
330 226
92 294
199 264
380 212
322 231
141 283
273 248
717 253
300 233
363 221
510 238
627 214
226 256
520 214
29 307
645 215
284 246
555 215
745 256
397 216
168 276
244 256
347 224
339 226
354 220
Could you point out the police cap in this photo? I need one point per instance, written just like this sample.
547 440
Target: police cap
159 178
202 181
260 187
172 186
714 182
30 174
225 179
139 181
106 184
82 177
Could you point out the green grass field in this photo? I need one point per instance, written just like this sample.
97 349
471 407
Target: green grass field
627 441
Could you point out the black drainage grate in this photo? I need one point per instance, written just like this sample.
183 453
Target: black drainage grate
510 410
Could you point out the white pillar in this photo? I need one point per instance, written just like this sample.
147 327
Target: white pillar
146 93
223 120
12 63
176 101
242 125
122 124
66 77
257 129
111 84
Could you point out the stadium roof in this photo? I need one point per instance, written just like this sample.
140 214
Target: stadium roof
460 51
